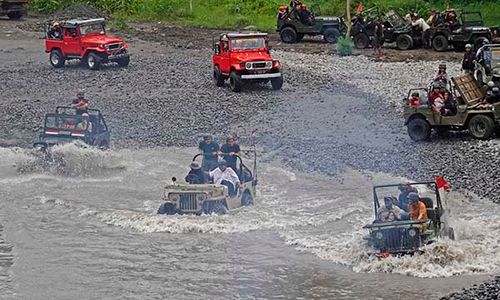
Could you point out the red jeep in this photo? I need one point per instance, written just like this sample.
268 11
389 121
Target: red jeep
85 40
245 56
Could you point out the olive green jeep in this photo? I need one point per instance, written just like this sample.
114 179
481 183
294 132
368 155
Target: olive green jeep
472 113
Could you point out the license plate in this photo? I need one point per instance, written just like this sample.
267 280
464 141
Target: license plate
62 132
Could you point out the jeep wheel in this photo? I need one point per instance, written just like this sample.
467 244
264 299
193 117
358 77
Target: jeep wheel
481 127
56 58
235 82
166 209
14 15
404 42
277 83
246 199
123 62
218 79
419 129
288 35
361 41
331 35
478 42
440 43
93 61
104 145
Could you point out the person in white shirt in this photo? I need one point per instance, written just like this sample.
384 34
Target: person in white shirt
224 175
85 124
421 24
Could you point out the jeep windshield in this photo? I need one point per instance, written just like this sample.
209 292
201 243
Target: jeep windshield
92 28
472 19
248 43
62 121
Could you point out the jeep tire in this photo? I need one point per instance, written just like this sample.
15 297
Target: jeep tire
481 127
288 35
361 40
246 199
404 42
419 129
440 43
235 82
124 61
56 58
277 83
331 35
93 61
218 78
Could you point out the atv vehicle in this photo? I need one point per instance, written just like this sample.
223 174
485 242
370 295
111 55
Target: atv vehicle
488 70
481 119
242 57
62 127
408 236
397 30
470 30
210 198
86 41
292 29
14 9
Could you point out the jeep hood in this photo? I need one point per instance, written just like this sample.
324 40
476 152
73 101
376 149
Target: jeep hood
101 39
252 56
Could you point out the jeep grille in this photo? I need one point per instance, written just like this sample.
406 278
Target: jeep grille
259 65
113 46
397 239
188 202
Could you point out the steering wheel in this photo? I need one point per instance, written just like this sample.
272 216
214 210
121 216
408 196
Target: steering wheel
388 217
193 178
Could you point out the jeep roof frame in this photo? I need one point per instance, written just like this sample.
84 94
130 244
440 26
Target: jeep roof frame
73 23
231 35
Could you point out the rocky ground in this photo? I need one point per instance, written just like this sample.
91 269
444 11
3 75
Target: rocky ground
486 291
332 112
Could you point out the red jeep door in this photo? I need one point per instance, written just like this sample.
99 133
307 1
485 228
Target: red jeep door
224 58
71 42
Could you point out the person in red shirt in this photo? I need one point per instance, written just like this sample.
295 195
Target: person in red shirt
414 101
434 94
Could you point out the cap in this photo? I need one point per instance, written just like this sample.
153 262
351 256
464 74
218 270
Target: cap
412 197
222 162
195 166
468 46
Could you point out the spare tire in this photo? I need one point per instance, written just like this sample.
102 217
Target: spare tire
404 42
288 35
419 129
440 43
361 40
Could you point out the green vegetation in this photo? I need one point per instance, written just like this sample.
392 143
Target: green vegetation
344 46
259 13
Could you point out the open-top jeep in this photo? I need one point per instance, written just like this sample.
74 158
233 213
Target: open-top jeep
407 236
488 69
292 29
14 9
472 113
470 30
243 57
87 41
210 198
62 126
397 30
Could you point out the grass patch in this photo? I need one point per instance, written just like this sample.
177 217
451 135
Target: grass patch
258 13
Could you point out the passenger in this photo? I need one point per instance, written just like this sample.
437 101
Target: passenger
451 20
67 124
468 60
231 151
224 175
55 31
210 150
493 93
442 76
196 175
390 212
295 3
283 12
422 25
85 124
405 190
305 15
434 94
483 56
80 103
417 209
414 100
434 18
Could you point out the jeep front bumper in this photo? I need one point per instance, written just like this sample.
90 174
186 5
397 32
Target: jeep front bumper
261 76
118 56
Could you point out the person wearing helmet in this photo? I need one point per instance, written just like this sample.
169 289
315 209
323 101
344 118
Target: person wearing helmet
435 94
468 60
391 212
210 150
283 12
405 189
493 93
80 103
55 31
224 175
417 209
85 124
483 56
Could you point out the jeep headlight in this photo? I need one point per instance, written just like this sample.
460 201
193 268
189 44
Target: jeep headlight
174 197
201 197
412 232
269 64
379 235
248 65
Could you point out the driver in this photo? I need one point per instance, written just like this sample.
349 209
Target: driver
417 209
85 124
226 176
196 175
55 31
80 103
390 212
405 189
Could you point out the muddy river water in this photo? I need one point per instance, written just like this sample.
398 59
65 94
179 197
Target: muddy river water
88 230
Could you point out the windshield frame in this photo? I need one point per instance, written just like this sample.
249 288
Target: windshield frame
91 25
232 46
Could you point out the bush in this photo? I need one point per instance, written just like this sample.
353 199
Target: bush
344 46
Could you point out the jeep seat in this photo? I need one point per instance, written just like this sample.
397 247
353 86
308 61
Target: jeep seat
427 201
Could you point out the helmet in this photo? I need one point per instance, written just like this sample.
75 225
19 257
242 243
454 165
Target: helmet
469 46
442 66
85 115
413 197
491 84
283 8
495 90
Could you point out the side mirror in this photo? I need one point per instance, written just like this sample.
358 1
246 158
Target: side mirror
174 179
